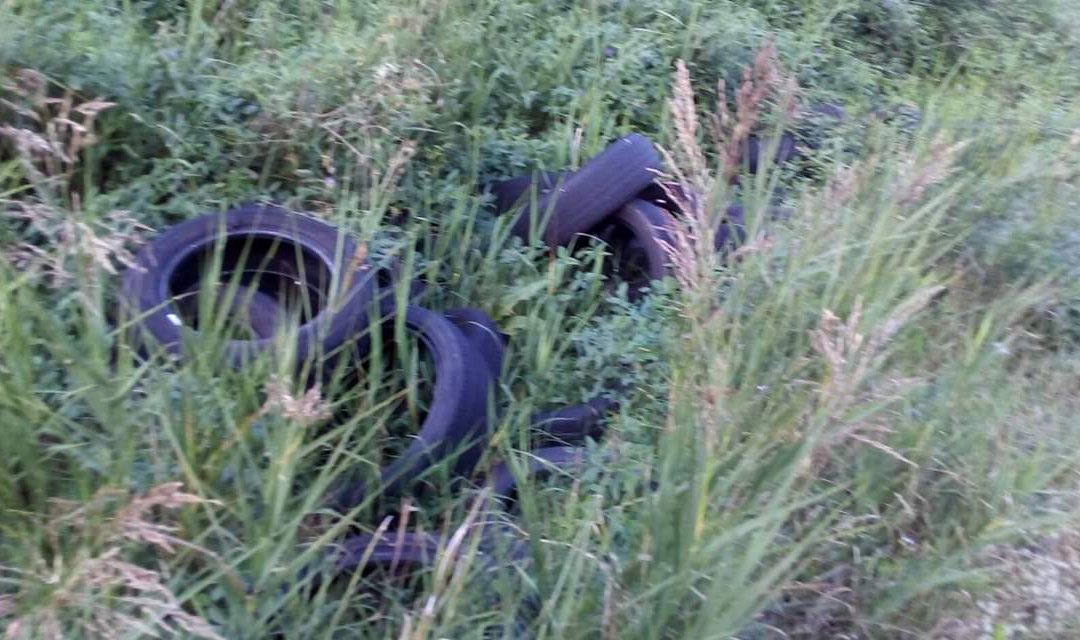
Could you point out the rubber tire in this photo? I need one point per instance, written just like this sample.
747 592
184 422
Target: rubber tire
412 550
730 232
652 228
571 425
755 146
598 189
145 288
457 420
484 336
644 217
258 310
509 194
540 463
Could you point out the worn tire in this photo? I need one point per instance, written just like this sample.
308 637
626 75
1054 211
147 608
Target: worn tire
457 421
598 189
571 425
257 311
730 231
540 463
169 264
483 334
651 231
756 146
512 193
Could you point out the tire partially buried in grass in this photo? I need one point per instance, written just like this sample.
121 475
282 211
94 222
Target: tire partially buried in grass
260 258
582 199
456 423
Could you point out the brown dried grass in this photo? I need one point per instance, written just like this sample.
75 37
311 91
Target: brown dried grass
87 584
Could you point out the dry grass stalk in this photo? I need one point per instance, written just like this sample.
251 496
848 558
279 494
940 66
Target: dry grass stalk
66 129
683 110
105 244
450 573
761 79
94 592
50 158
691 251
916 175
305 411
851 358
398 162
131 522
86 600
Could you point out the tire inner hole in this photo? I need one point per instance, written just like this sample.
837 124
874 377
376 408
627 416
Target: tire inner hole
392 385
258 282
629 261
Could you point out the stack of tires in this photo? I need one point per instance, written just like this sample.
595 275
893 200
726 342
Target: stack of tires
269 278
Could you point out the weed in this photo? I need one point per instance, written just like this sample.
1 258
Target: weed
833 431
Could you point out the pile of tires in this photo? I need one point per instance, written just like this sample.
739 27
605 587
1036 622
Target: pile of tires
276 277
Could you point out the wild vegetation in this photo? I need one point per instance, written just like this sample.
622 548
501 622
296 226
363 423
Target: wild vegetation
861 426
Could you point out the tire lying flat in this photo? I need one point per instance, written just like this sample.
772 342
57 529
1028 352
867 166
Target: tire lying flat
596 190
457 420
483 335
512 193
540 463
652 231
169 264
571 425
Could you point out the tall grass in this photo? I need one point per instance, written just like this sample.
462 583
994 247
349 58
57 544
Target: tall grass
819 436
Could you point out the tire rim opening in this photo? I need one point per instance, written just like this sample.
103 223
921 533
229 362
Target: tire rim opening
256 281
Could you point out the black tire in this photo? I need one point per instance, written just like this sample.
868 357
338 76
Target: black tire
731 230
500 554
787 149
483 334
169 264
598 189
510 194
410 551
255 310
457 421
643 233
657 193
571 425
754 148
540 463
637 226
414 551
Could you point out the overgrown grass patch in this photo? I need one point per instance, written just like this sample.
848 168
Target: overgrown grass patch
821 436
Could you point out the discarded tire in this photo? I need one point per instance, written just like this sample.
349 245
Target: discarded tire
755 147
571 425
643 237
511 193
301 263
457 419
484 336
271 269
596 190
540 462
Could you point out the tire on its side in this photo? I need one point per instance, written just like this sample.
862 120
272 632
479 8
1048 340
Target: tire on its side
483 334
512 192
457 421
597 190
168 265
648 231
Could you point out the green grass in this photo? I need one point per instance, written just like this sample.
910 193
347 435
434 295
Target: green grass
837 424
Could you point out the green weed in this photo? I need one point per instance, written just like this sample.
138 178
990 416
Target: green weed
821 435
